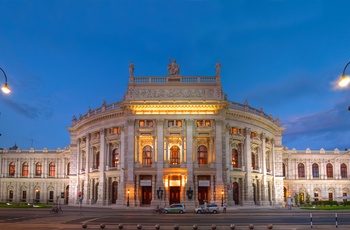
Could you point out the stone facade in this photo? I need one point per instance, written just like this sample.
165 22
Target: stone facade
172 139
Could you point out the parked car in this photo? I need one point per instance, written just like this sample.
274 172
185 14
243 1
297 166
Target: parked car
175 208
211 208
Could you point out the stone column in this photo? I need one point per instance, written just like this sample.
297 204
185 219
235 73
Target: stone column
101 199
87 185
248 187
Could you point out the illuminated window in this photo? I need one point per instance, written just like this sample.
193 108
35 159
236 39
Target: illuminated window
146 123
206 123
235 130
25 169
301 170
315 172
253 134
38 169
174 155
344 170
115 158
177 123
235 158
329 170
52 169
147 155
12 169
202 155
97 160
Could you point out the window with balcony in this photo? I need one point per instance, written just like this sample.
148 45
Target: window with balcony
343 171
301 170
12 169
315 171
146 123
268 161
147 155
235 158
52 169
25 169
203 123
38 169
176 123
202 155
329 168
174 155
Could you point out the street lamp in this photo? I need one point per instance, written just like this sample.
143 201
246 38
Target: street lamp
127 203
344 80
5 88
222 198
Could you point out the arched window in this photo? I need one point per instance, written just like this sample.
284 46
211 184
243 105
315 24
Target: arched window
147 155
174 155
25 169
343 171
301 170
12 169
115 158
52 169
235 158
329 170
315 171
202 155
38 169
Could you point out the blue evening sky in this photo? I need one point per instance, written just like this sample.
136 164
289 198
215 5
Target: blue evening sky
285 56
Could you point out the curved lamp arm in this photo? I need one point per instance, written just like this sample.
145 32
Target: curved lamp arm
345 80
5 88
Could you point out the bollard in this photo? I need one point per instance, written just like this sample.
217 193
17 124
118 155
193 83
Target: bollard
120 226
157 226
251 226
232 226
195 227
139 226
176 227
102 226
269 226
213 226
84 225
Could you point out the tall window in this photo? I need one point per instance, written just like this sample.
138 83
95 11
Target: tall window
68 169
329 170
24 196
235 158
146 123
97 160
12 168
52 169
202 155
83 161
343 171
147 155
174 155
115 158
315 172
284 169
268 166
206 123
301 170
254 161
25 169
38 169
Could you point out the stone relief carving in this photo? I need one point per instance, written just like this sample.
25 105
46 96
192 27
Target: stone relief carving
145 142
174 141
173 93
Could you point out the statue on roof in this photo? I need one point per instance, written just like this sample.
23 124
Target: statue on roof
173 67
218 68
131 69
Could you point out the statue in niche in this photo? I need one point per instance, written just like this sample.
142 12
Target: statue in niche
173 67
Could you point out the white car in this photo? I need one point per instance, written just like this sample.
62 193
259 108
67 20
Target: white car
211 208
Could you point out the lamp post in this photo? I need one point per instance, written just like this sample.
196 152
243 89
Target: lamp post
5 88
344 80
127 203
222 198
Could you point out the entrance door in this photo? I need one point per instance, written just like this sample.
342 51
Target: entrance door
235 192
146 194
174 195
202 195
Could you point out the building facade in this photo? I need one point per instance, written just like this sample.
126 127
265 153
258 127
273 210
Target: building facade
172 139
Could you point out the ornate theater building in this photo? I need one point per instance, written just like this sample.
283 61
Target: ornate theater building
172 139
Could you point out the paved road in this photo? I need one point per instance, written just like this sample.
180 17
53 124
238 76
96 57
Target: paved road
73 218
